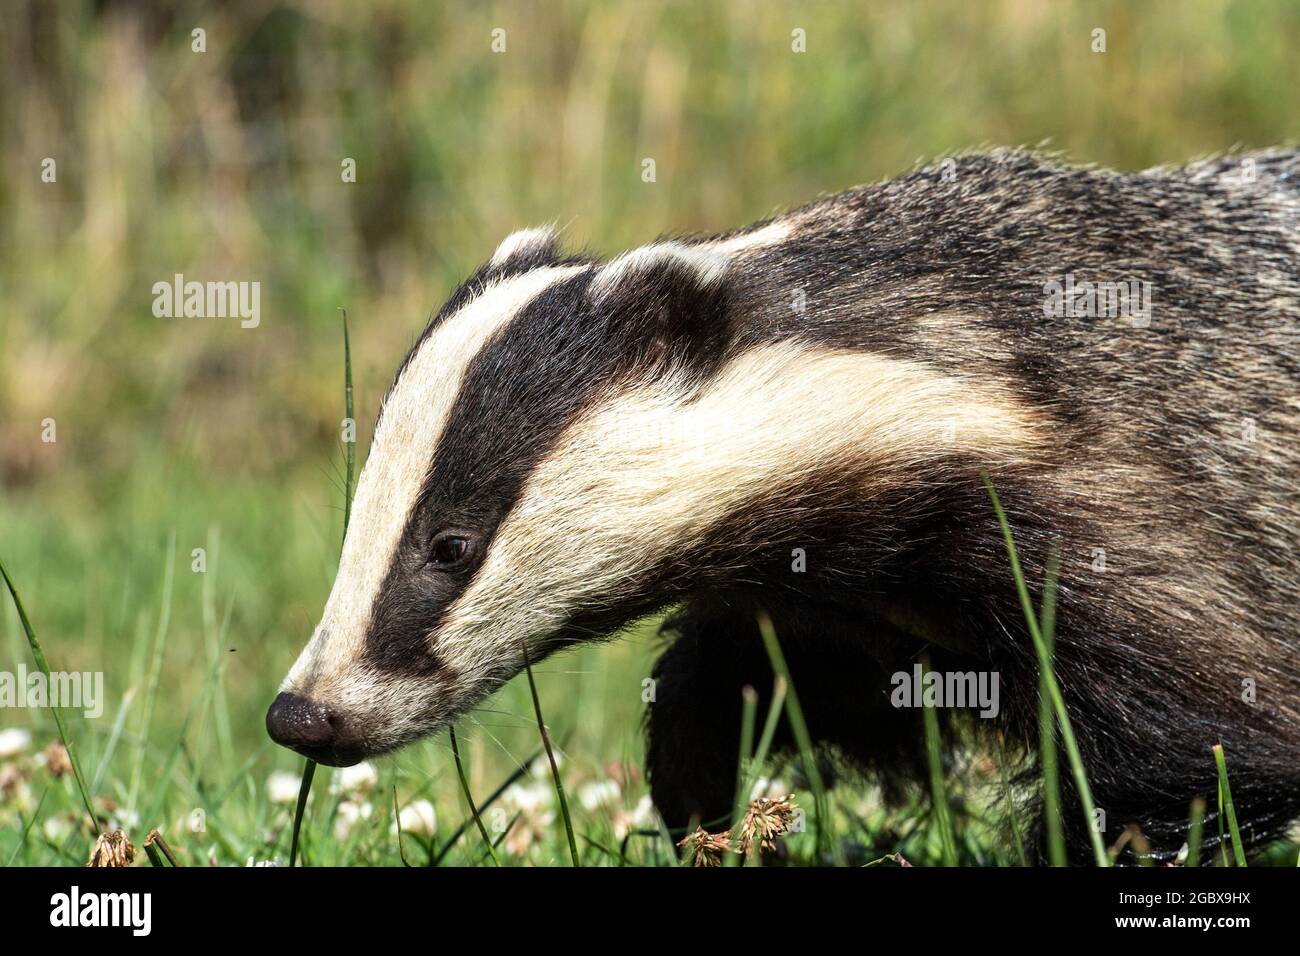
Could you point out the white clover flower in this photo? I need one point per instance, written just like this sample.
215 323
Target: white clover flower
529 829
349 815
540 769
640 817
282 786
57 829
529 798
418 817
599 793
643 814
358 779
13 741
774 789
532 803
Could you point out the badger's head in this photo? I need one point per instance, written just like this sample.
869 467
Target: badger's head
571 445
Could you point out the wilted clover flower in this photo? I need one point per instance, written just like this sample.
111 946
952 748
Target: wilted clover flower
112 850
13 782
704 848
765 820
56 759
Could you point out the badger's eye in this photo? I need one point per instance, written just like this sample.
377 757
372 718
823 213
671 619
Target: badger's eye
449 550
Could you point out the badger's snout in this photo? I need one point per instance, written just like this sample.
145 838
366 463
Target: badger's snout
315 730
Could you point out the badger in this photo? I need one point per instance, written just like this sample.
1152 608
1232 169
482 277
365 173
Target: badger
796 419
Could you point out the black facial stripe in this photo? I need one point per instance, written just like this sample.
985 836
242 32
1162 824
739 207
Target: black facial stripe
525 259
564 352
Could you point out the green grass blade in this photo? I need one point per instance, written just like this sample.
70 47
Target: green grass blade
114 736
755 764
769 730
27 829
550 756
1225 806
765 739
219 704
196 707
1194 834
469 799
44 665
825 825
397 818
304 790
496 794
1049 758
351 447
748 717
1054 689
155 671
938 792
309 769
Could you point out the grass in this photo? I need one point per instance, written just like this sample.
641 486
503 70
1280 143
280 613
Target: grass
824 824
597 830
550 758
1049 682
938 788
92 819
1227 809
469 797
350 454
207 435
1194 833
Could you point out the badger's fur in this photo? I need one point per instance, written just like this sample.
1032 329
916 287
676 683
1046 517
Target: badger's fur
794 417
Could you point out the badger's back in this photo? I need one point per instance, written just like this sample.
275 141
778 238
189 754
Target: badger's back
1169 482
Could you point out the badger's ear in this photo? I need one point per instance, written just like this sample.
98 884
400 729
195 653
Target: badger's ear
672 298
526 249
695 269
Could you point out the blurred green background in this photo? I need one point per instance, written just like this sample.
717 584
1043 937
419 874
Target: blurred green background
225 165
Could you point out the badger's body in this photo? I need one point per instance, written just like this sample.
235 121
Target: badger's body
795 417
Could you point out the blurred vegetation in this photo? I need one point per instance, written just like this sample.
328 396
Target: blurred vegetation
226 165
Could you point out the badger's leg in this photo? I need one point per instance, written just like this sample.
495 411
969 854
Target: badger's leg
692 722
841 670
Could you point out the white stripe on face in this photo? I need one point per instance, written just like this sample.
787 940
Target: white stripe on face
414 416
648 473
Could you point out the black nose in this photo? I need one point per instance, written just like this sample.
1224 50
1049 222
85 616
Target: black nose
314 730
